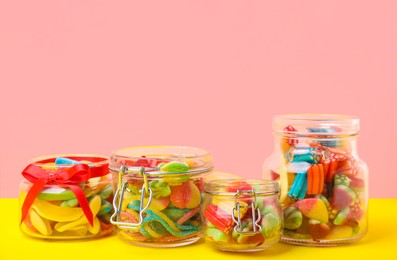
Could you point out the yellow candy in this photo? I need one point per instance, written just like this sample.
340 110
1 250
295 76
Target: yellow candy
95 205
95 229
42 225
50 211
49 166
227 206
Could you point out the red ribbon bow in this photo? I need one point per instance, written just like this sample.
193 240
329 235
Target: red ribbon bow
63 177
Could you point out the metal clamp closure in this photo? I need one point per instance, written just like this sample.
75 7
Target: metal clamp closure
119 195
256 214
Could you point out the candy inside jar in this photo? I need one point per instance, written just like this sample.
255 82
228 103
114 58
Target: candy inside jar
159 194
66 197
242 215
323 181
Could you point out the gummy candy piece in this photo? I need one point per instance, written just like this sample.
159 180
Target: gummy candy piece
95 205
227 205
340 179
69 203
95 228
256 239
56 193
357 184
219 218
40 224
106 192
50 211
106 207
313 208
271 224
318 230
292 218
175 166
186 195
216 235
160 189
62 160
175 214
297 186
342 197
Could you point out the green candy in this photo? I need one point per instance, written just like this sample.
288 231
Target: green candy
292 218
175 214
56 193
341 217
69 203
106 192
175 167
105 207
340 179
271 224
216 235
160 189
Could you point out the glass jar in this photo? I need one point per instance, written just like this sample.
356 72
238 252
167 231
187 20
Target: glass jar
242 215
159 194
323 182
66 196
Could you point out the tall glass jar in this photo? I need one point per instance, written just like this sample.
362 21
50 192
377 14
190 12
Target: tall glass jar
159 194
242 216
66 197
323 182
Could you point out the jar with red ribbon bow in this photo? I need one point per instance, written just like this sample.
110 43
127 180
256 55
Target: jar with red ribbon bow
159 194
66 197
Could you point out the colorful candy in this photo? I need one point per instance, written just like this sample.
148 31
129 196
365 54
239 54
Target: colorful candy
173 214
322 180
239 220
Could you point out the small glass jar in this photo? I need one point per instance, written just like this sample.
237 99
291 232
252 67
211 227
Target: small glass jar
242 215
159 194
66 196
323 182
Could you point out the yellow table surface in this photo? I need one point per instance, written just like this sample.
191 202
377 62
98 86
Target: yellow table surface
380 242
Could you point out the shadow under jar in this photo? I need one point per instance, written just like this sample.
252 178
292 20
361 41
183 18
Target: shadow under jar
66 197
242 216
159 194
323 182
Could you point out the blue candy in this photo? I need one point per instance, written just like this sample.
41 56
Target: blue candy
62 160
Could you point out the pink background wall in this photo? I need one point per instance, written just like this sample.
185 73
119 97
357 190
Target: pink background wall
94 76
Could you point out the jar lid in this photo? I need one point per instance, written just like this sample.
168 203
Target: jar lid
233 186
318 124
162 160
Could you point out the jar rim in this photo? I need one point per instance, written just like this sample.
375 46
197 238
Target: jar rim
201 159
217 187
318 124
99 160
